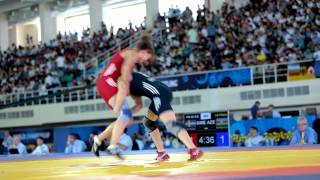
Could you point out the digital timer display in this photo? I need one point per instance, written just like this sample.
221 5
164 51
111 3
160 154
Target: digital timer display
208 128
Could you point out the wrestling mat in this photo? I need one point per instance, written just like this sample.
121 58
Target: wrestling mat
272 163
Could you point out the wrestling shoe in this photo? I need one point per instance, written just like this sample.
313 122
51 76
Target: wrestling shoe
114 150
162 156
195 154
95 143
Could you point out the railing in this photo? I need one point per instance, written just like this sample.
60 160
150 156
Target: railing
282 72
261 74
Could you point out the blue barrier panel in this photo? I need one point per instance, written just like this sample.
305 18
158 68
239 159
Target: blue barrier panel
234 77
317 68
227 78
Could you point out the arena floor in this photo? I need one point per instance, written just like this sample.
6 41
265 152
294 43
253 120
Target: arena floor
257 164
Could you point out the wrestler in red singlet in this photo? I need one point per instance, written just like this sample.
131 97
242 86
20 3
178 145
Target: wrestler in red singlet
113 86
107 81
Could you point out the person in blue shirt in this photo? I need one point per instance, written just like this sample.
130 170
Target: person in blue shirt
75 145
211 30
304 134
17 144
255 109
7 142
315 36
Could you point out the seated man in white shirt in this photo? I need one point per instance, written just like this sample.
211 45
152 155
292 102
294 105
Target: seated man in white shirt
75 145
41 147
17 144
254 139
125 142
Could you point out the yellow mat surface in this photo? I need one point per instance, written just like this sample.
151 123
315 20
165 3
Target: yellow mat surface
144 165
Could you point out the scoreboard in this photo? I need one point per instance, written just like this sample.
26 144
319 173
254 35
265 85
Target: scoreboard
208 128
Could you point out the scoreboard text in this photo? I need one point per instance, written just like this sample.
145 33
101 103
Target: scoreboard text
208 128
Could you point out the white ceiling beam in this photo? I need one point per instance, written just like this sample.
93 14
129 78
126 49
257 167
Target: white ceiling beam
13 6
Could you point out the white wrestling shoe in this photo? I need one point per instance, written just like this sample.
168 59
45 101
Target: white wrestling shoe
95 146
114 150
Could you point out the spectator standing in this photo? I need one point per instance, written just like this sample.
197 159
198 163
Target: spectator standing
60 62
193 35
304 134
211 29
255 110
41 147
7 141
316 54
75 145
254 139
275 113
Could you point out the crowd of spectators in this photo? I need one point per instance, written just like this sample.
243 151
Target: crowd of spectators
59 63
263 31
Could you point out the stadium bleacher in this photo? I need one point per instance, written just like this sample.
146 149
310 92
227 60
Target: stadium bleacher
265 33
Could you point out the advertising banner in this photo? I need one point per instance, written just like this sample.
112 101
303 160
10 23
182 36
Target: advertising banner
235 77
